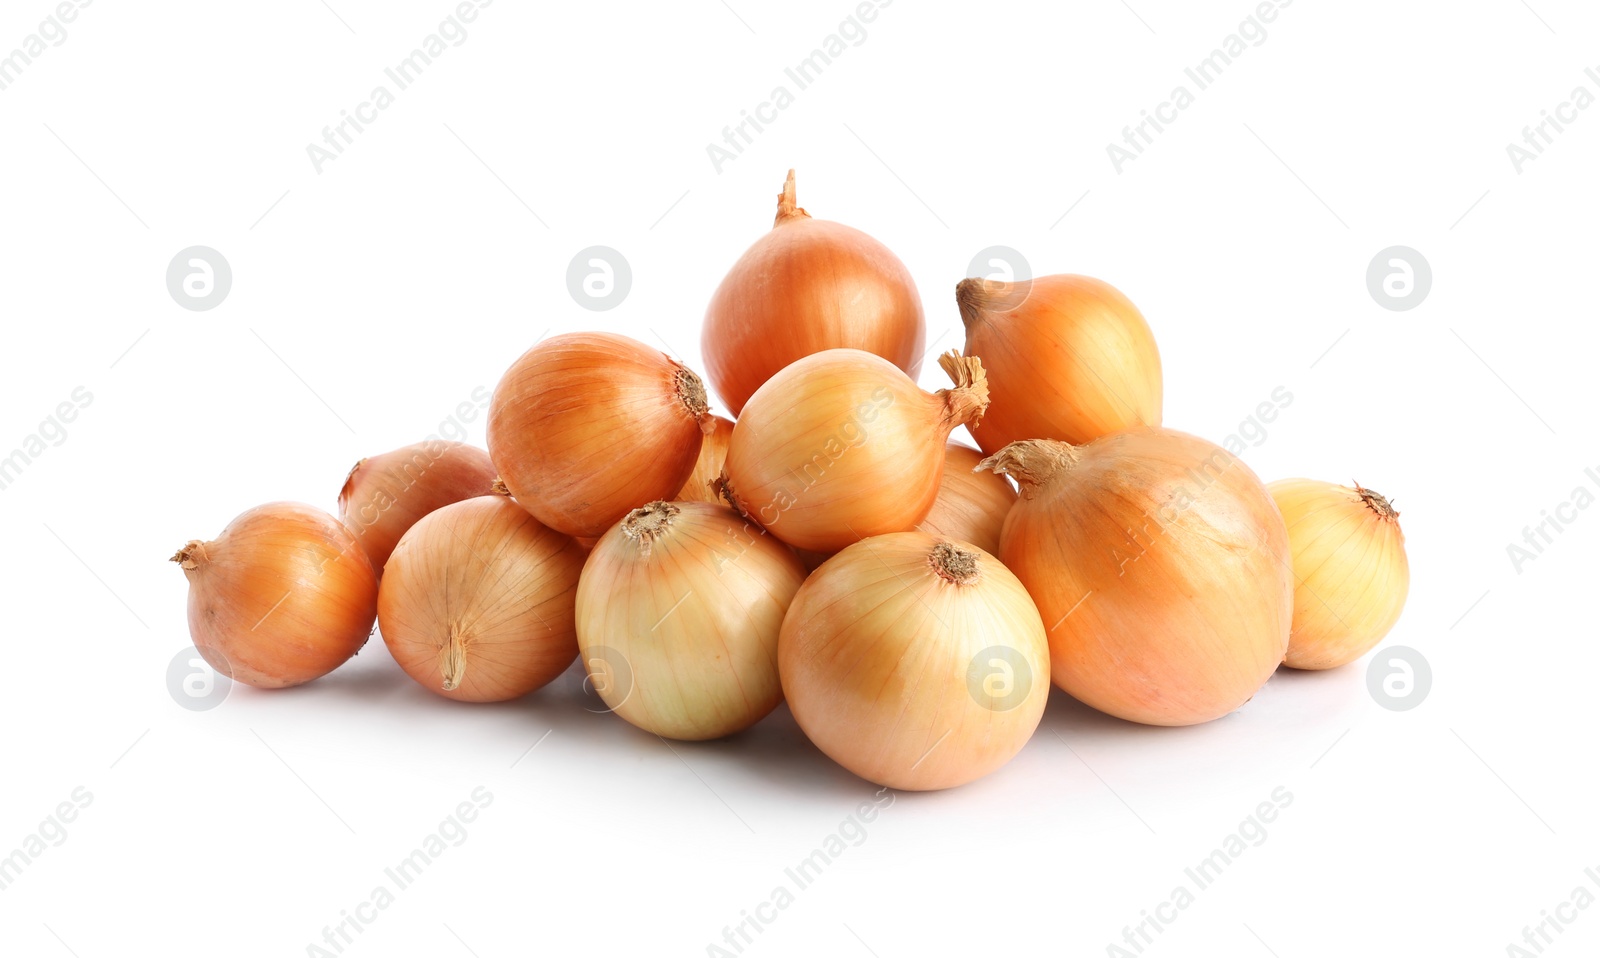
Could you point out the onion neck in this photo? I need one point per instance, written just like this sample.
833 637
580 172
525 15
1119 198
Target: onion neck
347 492
453 659
954 565
1032 462
1377 503
692 393
974 296
499 488
191 555
964 404
788 206
648 523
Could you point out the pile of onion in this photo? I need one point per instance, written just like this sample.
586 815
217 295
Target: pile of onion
283 596
1071 357
972 504
1160 566
1350 570
915 662
843 445
586 426
806 286
478 601
385 495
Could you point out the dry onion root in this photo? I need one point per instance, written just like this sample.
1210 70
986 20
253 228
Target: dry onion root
283 596
678 616
971 505
478 602
1350 569
1160 566
586 426
702 484
385 495
806 286
1072 359
842 445
915 662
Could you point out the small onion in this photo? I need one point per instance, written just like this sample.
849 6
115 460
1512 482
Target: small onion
971 506
806 286
678 616
385 495
915 662
1072 359
1160 566
1350 570
283 596
586 426
701 486
478 601
842 445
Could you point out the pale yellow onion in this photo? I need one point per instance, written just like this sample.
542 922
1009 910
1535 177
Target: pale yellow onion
1160 566
915 662
477 604
678 615
842 445
284 595
586 426
385 495
1350 569
971 506
701 486
1070 356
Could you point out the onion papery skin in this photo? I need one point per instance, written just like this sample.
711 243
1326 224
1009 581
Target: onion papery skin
842 445
1350 568
678 616
971 506
1071 359
806 286
283 596
1160 566
885 662
586 426
702 484
385 495
478 603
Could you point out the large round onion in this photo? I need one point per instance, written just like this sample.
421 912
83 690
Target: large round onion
385 495
806 286
842 445
586 426
1160 566
1071 358
914 661
971 506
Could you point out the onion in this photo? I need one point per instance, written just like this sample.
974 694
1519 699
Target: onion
1350 570
384 495
971 506
842 445
478 601
678 616
806 286
1160 566
586 426
915 662
701 486
1071 357
283 596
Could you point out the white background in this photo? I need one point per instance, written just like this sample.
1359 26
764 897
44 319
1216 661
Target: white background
371 299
